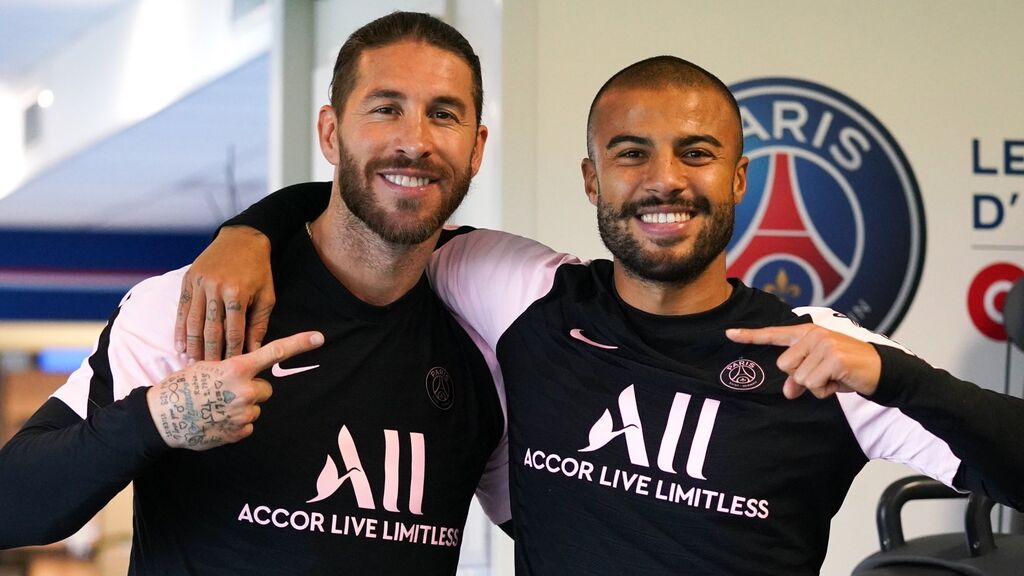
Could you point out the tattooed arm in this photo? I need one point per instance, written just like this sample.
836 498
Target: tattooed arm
105 426
228 293
211 404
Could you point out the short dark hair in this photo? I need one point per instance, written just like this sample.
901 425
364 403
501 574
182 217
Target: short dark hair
659 72
396 27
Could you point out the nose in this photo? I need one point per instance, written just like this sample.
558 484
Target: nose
414 138
666 176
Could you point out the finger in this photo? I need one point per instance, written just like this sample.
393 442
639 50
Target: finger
234 325
261 390
213 330
812 372
830 373
825 391
281 349
259 319
244 432
184 303
773 335
194 322
792 359
791 390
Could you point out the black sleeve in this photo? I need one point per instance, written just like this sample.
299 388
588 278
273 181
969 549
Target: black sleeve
59 470
981 427
281 214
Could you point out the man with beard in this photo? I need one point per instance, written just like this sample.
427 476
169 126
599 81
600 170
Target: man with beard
656 421
366 457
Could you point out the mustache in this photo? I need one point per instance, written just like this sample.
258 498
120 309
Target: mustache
696 205
434 171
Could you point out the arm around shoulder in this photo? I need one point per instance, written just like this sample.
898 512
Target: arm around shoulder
489 278
227 295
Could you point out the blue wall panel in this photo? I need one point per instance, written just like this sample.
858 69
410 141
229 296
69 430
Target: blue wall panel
72 275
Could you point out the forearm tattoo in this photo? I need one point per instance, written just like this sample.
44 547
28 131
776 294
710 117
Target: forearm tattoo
194 410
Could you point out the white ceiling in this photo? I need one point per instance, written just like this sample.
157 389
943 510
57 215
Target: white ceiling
187 167
33 30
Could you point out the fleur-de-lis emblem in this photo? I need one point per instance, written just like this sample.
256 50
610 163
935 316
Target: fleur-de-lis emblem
782 288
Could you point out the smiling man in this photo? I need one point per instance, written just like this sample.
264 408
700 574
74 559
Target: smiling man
665 198
657 417
365 458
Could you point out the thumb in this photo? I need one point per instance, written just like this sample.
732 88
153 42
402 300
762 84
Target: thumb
281 349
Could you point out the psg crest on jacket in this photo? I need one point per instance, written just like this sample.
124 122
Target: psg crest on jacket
832 215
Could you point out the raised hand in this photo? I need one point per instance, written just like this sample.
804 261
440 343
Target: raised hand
210 404
817 359
226 297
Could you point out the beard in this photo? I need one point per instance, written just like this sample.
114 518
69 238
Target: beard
665 266
357 194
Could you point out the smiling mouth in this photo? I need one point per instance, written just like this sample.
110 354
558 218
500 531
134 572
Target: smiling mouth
406 181
665 217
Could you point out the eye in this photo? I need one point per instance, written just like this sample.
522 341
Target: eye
444 116
697 156
387 110
630 157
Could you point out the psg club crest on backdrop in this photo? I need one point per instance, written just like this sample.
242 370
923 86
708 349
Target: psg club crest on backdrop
832 215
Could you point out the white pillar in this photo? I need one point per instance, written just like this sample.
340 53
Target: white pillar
291 65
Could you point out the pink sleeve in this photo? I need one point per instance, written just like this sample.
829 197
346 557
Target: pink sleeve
489 278
884 432
492 492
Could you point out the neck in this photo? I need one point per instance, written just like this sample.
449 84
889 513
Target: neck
701 294
374 270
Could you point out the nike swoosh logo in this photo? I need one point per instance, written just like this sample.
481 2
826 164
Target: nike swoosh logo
578 334
280 372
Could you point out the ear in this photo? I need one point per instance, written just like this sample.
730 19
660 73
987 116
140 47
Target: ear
590 183
327 128
739 180
478 148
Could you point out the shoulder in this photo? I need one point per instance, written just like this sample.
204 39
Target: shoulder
154 301
308 187
758 307
494 245
135 349
839 322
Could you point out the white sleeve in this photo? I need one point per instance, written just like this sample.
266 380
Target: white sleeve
884 432
489 278
493 492
139 350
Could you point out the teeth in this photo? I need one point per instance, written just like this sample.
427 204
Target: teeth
407 181
665 217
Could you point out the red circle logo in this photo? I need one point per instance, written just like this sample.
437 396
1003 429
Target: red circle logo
987 295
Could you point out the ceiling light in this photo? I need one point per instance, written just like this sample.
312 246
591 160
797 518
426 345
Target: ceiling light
45 98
